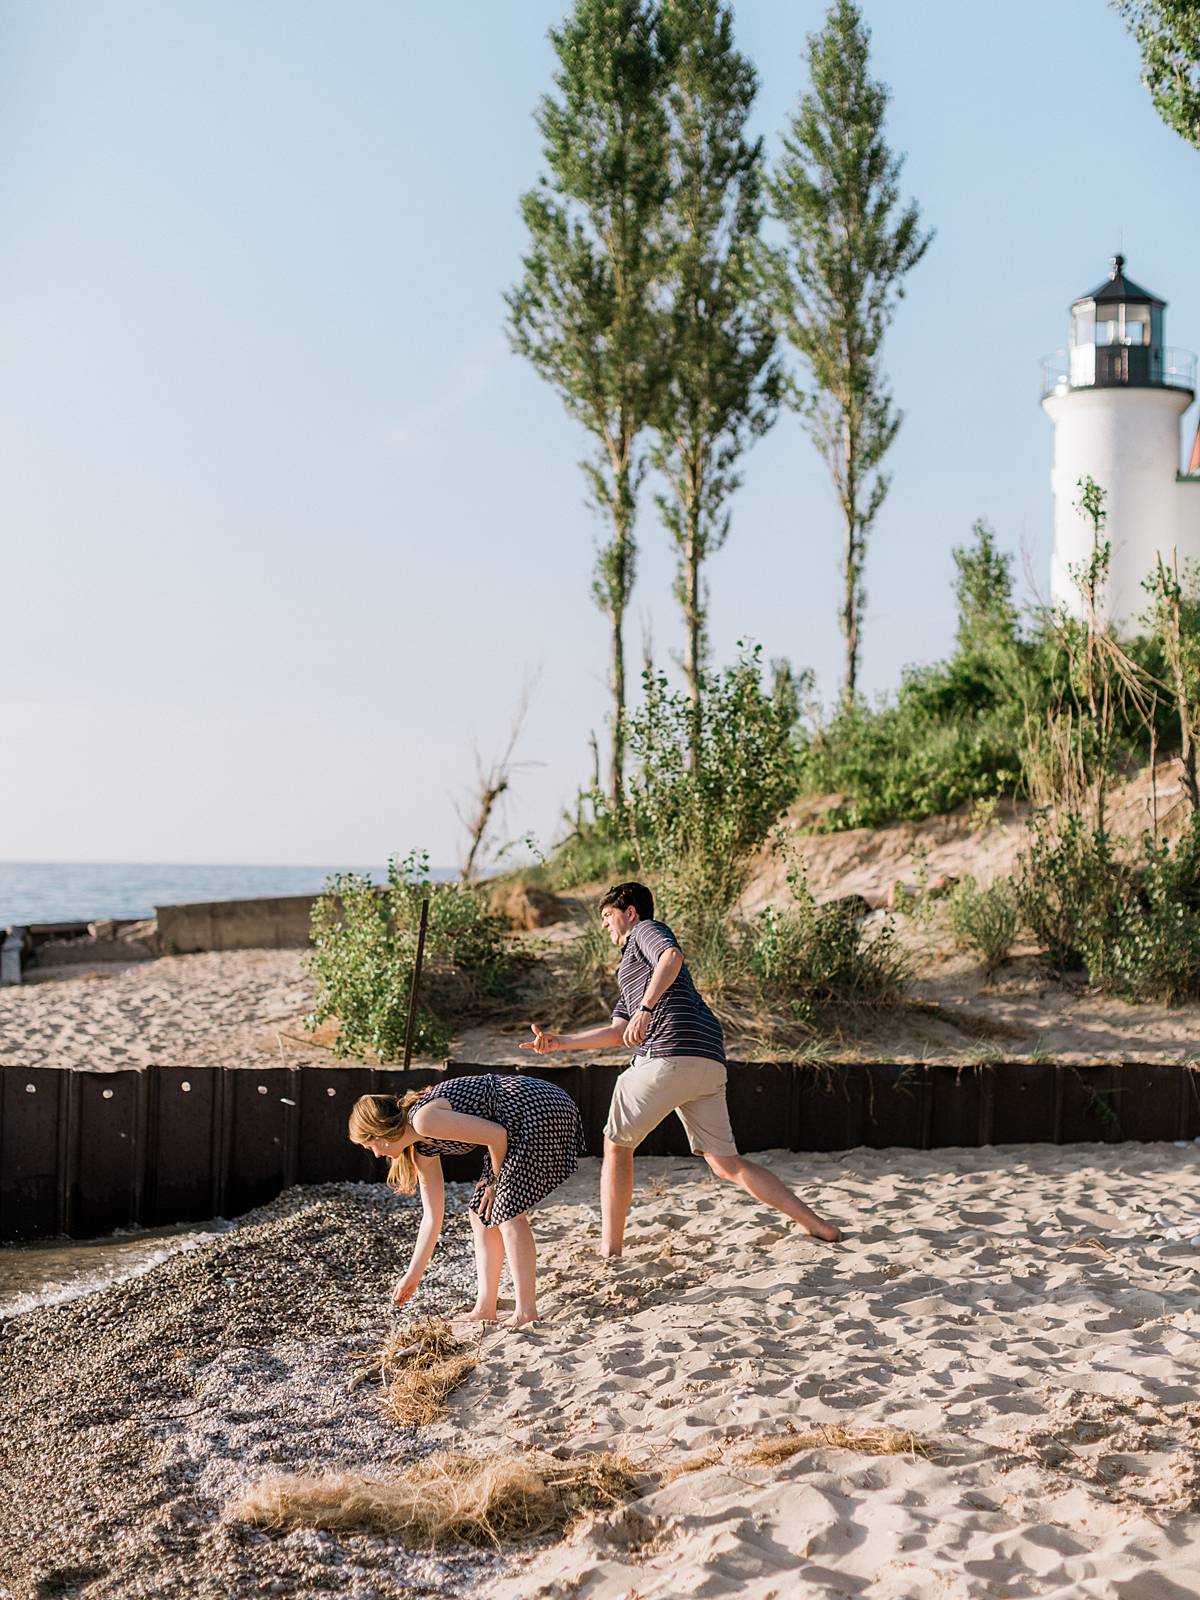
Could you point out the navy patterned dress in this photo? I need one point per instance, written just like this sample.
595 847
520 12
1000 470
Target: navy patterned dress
545 1136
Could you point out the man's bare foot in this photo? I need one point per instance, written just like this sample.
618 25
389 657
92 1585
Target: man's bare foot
825 1231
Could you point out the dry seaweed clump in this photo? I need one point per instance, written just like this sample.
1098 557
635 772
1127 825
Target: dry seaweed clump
594 1482
779 1447
832 1436
420 1366
447 1498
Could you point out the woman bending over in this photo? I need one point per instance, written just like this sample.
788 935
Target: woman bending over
532 1138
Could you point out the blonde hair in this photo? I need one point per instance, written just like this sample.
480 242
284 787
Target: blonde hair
385 1116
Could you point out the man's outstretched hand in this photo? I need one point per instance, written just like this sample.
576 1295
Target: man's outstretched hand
542 1043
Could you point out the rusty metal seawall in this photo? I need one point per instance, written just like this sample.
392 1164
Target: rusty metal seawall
82 1153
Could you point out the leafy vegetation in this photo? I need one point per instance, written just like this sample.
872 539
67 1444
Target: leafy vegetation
1130 924
365 942
1133 927
956 730
814 961
696 813
977 725
1168 34
983 920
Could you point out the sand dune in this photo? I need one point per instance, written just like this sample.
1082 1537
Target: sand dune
1020 1309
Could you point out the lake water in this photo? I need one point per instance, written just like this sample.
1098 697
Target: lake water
46 1273
68 891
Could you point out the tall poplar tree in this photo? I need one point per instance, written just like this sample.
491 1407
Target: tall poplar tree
722 384
837 279
583 310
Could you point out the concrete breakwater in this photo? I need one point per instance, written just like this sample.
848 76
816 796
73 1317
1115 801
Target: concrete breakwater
273 922
83 1153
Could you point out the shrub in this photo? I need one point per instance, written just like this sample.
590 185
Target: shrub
792 969
1134 928
697 808
816 960
1069 886
955 730
595 851
365 941
984 920
1156 952
960 730
904 761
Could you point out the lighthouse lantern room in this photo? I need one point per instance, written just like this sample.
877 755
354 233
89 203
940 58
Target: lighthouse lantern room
1115 399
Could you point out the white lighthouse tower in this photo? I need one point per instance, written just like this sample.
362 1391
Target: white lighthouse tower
1115 399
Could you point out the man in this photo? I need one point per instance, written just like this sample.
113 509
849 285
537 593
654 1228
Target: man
680 1067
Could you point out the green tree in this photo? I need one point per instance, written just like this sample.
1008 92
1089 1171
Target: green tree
722 385
1168 35
836 281
583 310
983 587
695 825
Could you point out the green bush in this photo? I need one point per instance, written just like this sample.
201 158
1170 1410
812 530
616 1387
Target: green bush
806 963
905 762
955 731
1156 952
1134 928
984 920
819 963
1069 886
698 808
960 730
365 941
595 851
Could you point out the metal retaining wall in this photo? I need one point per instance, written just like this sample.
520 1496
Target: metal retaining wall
82 1153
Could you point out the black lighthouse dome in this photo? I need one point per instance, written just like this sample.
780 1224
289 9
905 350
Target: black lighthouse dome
1117 335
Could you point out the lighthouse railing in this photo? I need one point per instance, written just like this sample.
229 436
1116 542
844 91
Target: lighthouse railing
1134 366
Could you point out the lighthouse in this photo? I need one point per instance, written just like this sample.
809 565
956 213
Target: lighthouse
1115 398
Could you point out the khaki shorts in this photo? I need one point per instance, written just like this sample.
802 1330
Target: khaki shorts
691 1086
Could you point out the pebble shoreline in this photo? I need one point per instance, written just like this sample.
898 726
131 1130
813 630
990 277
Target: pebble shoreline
133 1418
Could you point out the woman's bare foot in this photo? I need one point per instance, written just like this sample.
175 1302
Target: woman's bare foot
824 1230
478 1313
519 1321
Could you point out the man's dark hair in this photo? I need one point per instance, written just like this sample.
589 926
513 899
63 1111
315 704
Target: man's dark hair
624 895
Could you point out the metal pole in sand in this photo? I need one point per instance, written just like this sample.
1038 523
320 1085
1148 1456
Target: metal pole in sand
410 1029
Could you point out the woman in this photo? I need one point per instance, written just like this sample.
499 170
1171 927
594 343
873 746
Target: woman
532 1137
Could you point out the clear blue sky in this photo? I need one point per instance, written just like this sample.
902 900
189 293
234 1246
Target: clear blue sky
284 522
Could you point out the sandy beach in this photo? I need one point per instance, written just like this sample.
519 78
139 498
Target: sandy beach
1029 1315
246 1008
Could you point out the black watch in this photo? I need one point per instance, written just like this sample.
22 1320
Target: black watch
649 1010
